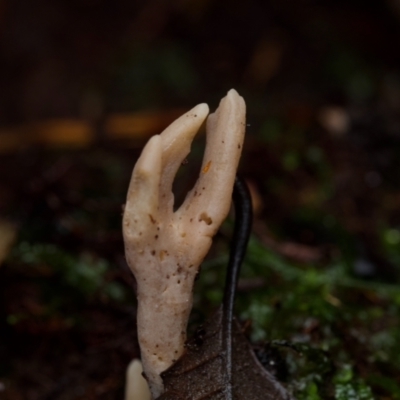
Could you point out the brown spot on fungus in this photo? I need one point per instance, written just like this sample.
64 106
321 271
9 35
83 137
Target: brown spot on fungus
163 253
153 221
207 167
204 217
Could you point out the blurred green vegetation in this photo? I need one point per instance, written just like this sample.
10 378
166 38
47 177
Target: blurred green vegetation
339 335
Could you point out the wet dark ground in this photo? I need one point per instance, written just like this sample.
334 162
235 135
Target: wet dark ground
322 86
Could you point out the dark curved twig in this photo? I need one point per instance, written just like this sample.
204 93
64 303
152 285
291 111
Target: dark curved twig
241 234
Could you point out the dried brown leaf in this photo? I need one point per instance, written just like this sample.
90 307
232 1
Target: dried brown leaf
202 372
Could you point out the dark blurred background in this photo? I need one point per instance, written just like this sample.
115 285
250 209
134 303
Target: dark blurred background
85 83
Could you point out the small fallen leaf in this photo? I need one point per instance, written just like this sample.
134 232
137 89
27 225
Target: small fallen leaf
201 373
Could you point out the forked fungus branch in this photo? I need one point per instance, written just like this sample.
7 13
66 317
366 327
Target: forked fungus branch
164 248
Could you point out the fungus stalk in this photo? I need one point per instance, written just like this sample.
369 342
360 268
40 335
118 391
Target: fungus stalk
164 248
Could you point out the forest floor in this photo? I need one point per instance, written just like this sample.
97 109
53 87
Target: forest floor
319 293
